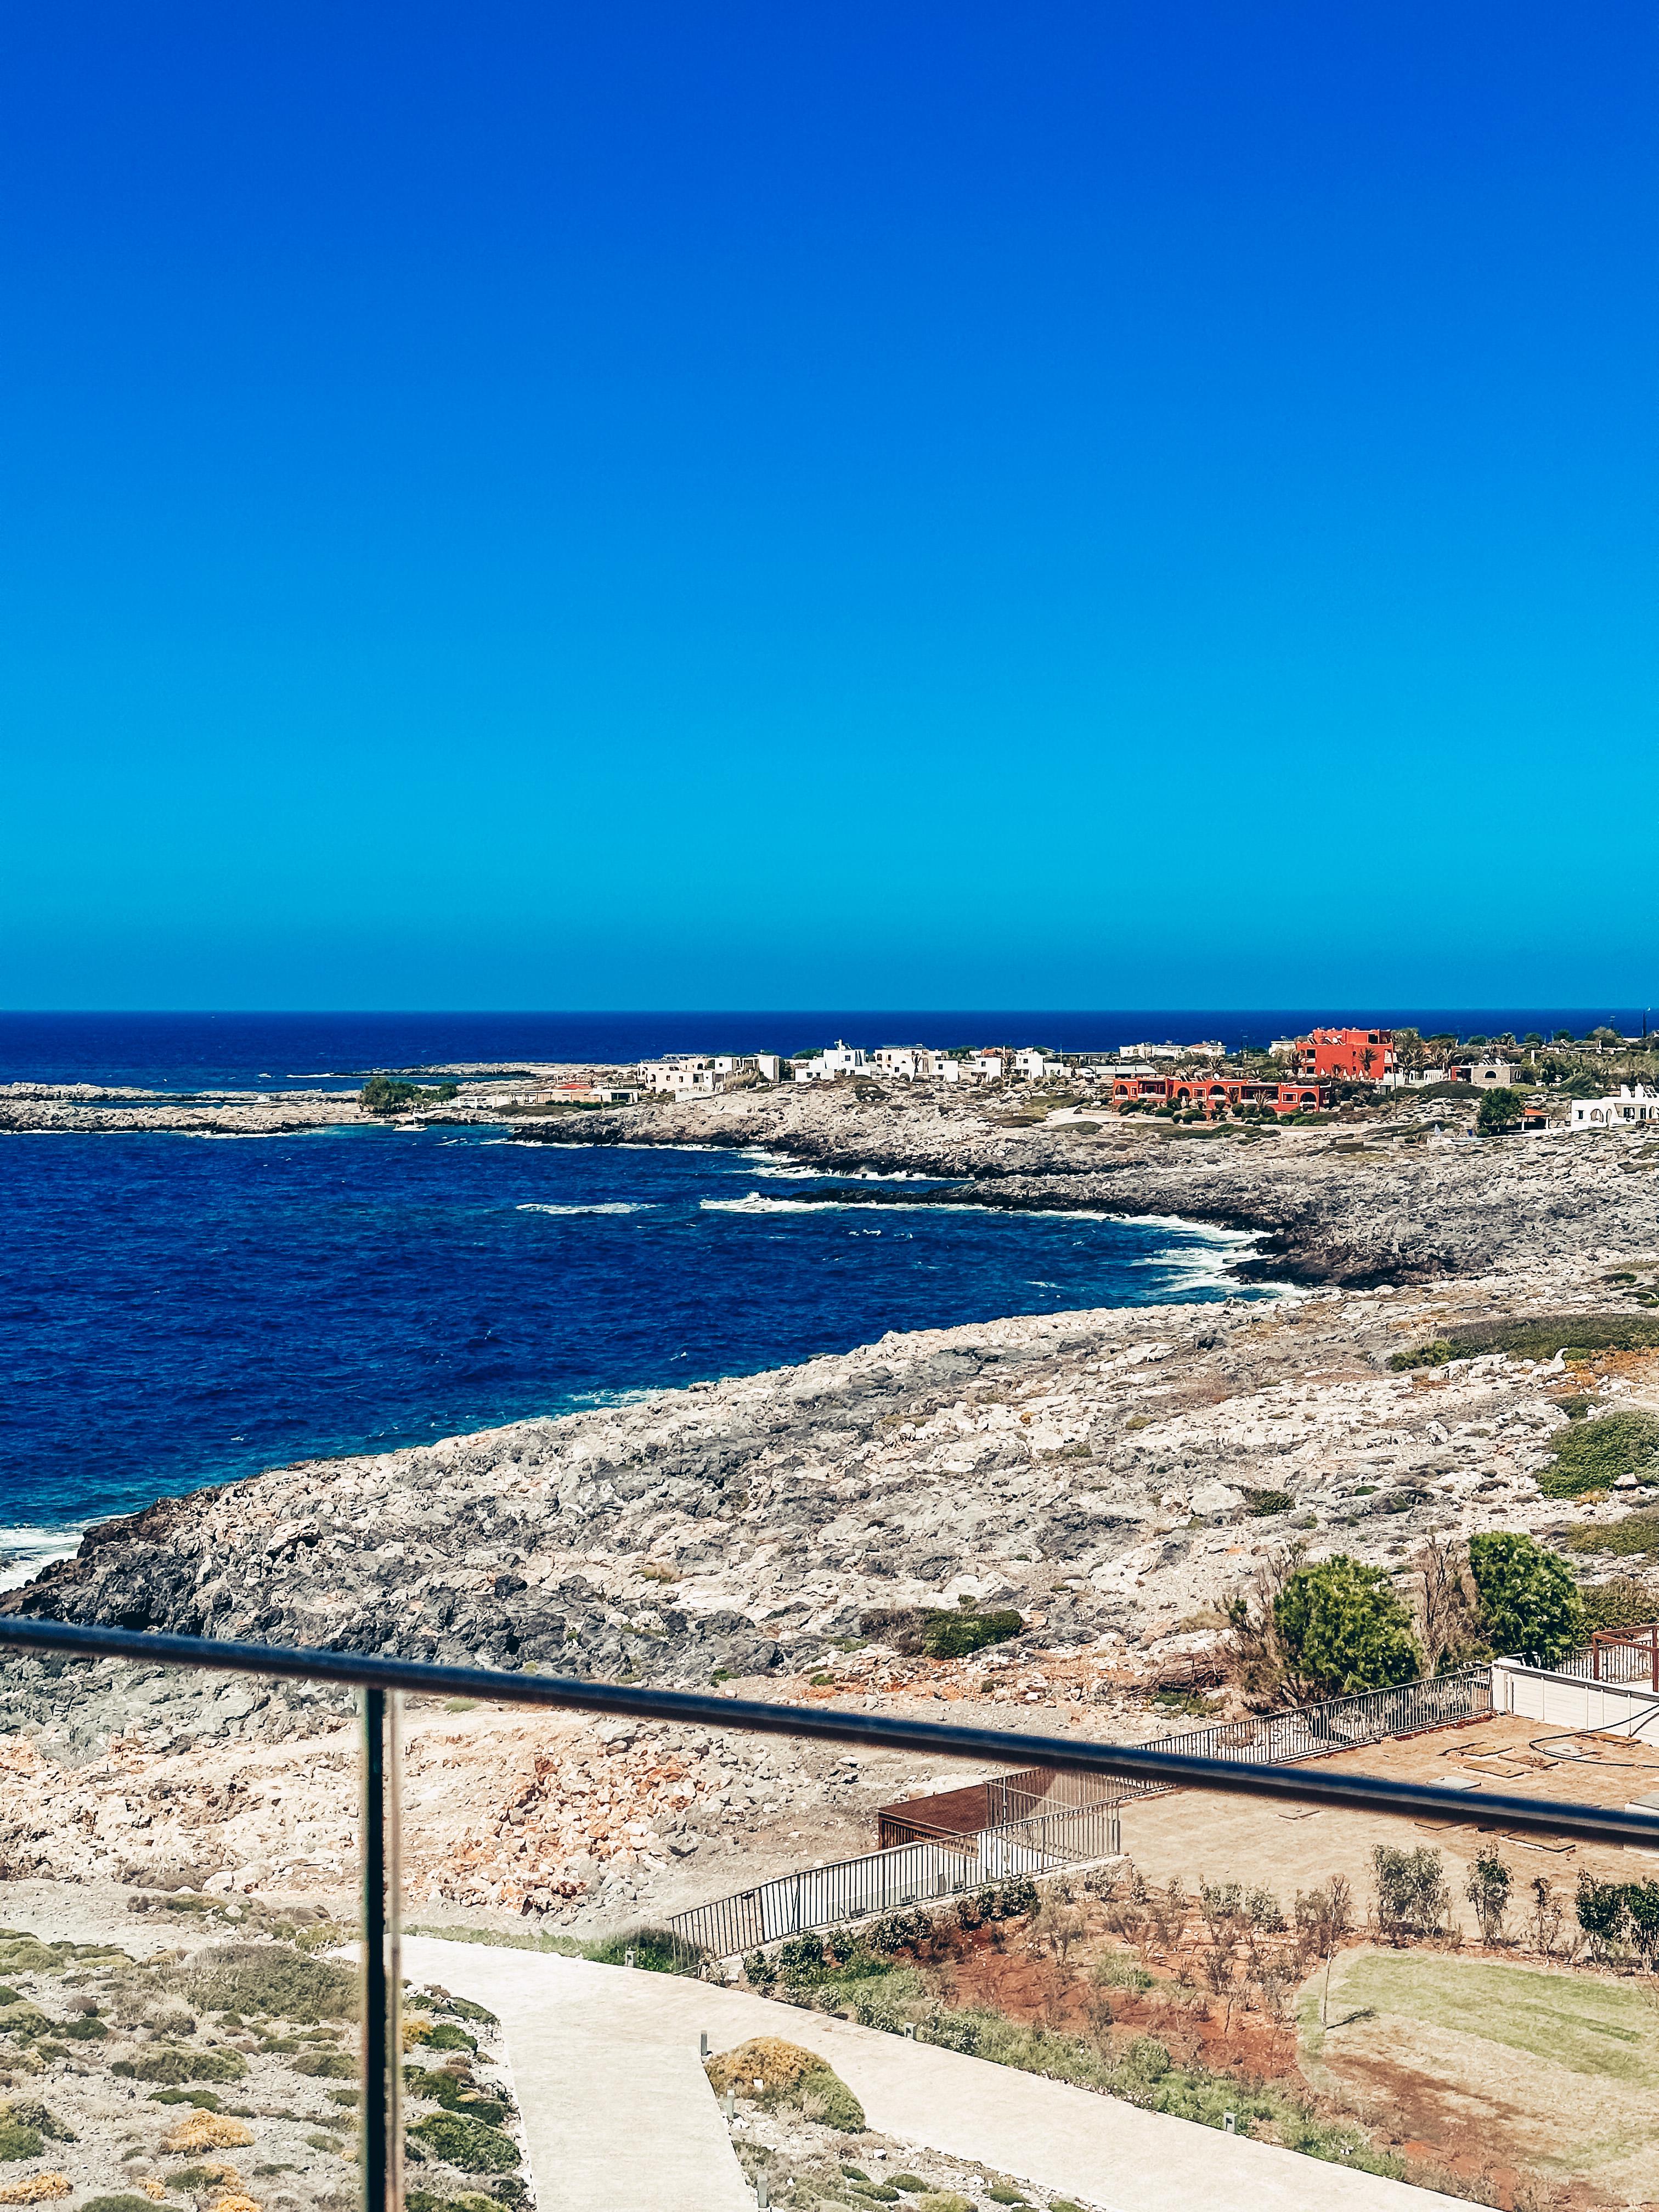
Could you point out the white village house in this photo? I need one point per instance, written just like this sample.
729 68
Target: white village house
1634 1102
705 1073
1037 1065
839 1059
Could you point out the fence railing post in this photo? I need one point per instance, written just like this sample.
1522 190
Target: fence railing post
382 2135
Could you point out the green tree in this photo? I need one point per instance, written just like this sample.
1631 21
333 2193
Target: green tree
390 1094
1343 1628
1488 1891
1412 1896
1529 1604
1500 1109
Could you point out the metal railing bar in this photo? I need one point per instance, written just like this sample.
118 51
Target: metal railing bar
1244 1778
378 2061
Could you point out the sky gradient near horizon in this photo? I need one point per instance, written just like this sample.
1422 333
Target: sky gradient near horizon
883 505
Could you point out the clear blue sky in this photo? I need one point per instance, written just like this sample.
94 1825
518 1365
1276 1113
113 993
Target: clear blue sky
881 503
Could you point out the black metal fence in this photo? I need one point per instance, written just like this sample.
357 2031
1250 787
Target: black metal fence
1225 1765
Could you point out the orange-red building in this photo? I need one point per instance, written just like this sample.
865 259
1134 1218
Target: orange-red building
1360 1055
1218 1094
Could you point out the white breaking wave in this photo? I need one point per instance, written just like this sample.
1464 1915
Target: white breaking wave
25 1551
757 1203
616 1205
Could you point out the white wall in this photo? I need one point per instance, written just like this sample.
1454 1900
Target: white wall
1567 1701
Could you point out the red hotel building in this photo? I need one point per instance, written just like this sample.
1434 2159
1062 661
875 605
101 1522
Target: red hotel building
1360 1055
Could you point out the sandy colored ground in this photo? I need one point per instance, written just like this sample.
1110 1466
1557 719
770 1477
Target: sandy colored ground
1284 1848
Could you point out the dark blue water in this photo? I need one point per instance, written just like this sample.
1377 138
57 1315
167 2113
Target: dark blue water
275 1052
176 1310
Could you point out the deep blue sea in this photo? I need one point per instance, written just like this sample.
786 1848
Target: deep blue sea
178 1310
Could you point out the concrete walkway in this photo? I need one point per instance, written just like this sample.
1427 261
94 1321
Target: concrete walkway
619 2113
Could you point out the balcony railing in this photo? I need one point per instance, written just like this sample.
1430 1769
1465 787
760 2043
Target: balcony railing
381 1683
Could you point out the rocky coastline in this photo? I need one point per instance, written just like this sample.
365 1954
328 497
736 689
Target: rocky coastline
1114 1477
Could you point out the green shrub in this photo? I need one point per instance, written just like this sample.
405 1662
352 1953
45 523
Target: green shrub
27 2116
826 2098
326 2065
17 2141
1637 1535
1538 1337
437 1999
1258 1502
390 1094
1148 2058
656 1951
83 2028
465 2143
1412 1894
1593 1455
125 2201
446 2036
254 1977
908 2182
1623 1602
1343 1628
943 2200
455 2093
204 2101
954 1635
172 2063
1529 1604
423 2200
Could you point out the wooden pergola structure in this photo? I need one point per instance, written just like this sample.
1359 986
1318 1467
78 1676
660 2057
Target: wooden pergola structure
1644 1640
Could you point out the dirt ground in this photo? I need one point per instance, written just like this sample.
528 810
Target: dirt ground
1511 2067
1284 1848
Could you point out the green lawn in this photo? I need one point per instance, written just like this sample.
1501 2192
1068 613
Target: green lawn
1588 2027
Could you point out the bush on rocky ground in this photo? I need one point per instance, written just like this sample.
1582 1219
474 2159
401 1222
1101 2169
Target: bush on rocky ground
255 1977
172 2064
1538 1337
954 1635
469 2145
1634 1537
775 2072
1620 1602
1343 1629
1593 1455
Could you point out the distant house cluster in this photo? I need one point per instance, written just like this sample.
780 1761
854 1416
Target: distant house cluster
1141 1073
1192 1079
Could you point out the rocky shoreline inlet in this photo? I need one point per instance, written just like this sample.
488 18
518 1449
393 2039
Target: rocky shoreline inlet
1116 1478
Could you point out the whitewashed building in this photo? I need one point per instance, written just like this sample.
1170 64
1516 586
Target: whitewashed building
1035 1066
838 1059
974 1068
906 1063
1634 1102
704 1073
